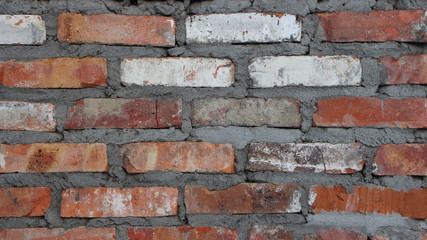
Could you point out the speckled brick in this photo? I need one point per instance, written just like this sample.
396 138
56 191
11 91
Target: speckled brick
59 233
182 233
24 201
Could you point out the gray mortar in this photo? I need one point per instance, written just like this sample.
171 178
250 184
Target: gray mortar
240 54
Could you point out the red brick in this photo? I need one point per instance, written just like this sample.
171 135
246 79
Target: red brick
336 234
401 234
244 198
259 232
178 156
27 116
55 73
124 113
115 202
116 29
407 69
24 202
182 233
59 233
371 112
401 159
365 199
53 157
377 26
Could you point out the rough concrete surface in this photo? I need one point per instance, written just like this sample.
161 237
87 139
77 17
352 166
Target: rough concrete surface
239 137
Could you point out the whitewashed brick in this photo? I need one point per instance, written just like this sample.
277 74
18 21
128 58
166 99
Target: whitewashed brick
319 71
22 29
313 157
243 28
180 72
27 116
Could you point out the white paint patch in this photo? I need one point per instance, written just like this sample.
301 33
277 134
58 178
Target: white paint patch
118 202
339 70
178 72
295 205
22 29
311 197
2 161
27 116
243 28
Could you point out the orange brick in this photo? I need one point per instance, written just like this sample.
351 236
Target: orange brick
178 156
244 198
53 157
369 200
182 233
55 73
376 26
59 233
115 202
117 29
371 112
336 234
24 202
259 232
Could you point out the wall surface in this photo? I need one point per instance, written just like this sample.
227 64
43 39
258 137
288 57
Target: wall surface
231 136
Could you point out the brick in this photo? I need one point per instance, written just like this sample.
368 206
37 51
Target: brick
22 30
320 71
371 112
27 116
260 232
243 28
244 198
59 233
24 202
53 157
115 202
55 73
364 199
124 113
117 29
311 157
376 26
272 112
401 159
178 156
182 233
392 233
407 69
336 234
178 72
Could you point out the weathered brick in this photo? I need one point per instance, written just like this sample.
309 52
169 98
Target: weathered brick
268 72
182 233
55 73
314 157
364 199
395 233
272 112
59 233
407 69
53 157
178 72
124 113
401 159
22 29
24 202
27 116
371 112
178 156
376 26
260 232
115 202
336 234
244 198
243 28
116 29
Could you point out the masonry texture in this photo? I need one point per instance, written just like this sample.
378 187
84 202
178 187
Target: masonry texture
213 119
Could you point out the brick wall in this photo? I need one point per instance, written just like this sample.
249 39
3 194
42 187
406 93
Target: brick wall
246 119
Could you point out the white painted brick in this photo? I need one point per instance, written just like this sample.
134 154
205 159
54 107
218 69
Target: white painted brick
181 72
314 157
22 29
27 116
243 28
319 71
